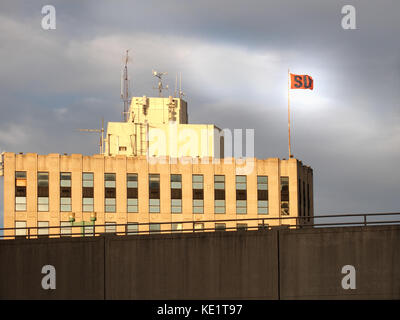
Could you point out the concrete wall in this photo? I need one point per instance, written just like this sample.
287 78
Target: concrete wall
79 264
220 265
311 262
275 264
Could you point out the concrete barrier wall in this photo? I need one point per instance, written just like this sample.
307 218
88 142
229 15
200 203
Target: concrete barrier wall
78 262
278 264
215 265
311 263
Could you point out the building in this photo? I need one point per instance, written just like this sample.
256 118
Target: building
157 172
44 190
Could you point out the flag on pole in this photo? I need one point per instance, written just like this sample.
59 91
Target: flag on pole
301 81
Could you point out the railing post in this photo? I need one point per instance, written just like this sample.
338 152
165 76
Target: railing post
29 233
365 220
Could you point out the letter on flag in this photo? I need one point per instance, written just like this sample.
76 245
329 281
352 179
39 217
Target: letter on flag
301 81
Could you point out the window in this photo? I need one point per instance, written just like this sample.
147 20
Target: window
285 196
65 192
154 193
133 228
87 192
220 226
264 226
43 229
132 192
122 148
198 226
241 195
176 227
111 227
198 193
20 230
241 226
87 230
110 192
154 228
20 191
43 191
176 193
219 194
262 194
66 229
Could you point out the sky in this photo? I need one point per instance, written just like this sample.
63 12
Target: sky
234 58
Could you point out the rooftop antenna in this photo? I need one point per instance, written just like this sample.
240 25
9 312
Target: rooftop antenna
125 87
160 87
101 131
181 93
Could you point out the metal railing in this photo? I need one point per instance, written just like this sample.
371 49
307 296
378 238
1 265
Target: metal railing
261 224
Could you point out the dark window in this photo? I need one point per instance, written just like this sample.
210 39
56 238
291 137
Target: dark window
65 192
132 192
198 193
285 196
219 194
20 191
241 194
154 193
262 194
43 191
176 193
87 192
110 192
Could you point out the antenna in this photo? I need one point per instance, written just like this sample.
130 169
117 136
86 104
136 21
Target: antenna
101 131
160 87
181 93
125 87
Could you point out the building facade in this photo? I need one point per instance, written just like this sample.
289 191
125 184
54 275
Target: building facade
47 191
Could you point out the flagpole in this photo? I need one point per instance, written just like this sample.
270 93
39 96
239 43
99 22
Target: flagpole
288 92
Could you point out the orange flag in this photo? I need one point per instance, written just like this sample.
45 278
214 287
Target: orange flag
301 81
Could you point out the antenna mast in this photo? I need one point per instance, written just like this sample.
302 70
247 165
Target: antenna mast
101 131
160 87
125 87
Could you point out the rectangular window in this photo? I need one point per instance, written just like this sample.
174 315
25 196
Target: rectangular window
111 227
88 230
110 192
176 193
65 192
133 228
285 196
220 226
66 229
198 193
241 195
132 192
176 227
154 193
20 191
20 230
43 191
262 194
43 229
241 226
198 226
154 228
87 192
219 194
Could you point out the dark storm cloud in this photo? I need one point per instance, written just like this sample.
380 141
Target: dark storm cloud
234 57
